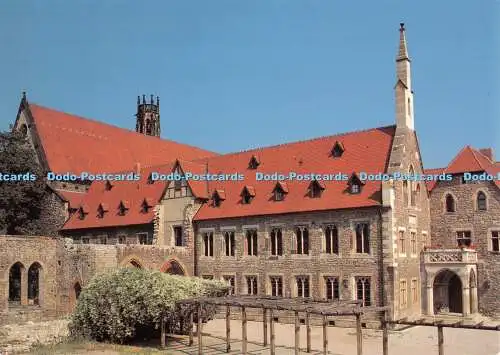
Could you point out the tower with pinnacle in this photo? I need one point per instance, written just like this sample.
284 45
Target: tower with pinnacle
148 116
403 90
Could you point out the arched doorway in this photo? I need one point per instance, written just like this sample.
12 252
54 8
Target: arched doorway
135 263
15 282
173 267
34 273
447 291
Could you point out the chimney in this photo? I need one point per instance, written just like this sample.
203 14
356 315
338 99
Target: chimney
138 168
487 152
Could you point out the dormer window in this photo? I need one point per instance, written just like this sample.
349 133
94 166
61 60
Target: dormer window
254 162
146 205
177 185
280 190
150 179
101 210
123 208
338 149
108 185
217 197
247 195
355 184
316 188
82 212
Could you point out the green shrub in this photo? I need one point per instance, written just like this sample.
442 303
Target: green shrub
127 302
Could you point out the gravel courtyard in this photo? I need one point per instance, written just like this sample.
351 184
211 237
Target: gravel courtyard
342 341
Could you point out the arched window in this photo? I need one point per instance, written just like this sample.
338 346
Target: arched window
412 186
34 283
405 193
450 203
15 282
481 201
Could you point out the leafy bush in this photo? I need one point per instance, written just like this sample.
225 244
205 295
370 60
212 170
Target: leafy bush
127 302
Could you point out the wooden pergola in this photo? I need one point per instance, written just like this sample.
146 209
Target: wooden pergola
269 305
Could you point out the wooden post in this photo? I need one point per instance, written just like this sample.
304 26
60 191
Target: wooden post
264 323
191 328
162 329
385 335
271 325
325 336
297 333
198 330
359 334
440 340
308 327
228 329
243 330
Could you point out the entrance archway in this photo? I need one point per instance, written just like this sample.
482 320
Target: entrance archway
34 273
173 267
15 282
447 289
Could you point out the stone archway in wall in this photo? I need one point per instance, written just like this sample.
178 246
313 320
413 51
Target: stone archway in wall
132 261
16 280
35 284
447 289
173 267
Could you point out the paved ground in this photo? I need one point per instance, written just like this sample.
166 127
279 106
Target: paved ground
342 341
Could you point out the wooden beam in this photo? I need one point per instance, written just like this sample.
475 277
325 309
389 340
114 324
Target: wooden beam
325 335
243 330
297 333
359 335
385 335
440 340
271 325
308 330
264 323
191 316
199 330
228 329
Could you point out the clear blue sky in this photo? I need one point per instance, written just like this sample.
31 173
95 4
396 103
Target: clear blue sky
233 75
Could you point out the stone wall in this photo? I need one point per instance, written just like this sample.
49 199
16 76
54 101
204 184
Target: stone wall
480 223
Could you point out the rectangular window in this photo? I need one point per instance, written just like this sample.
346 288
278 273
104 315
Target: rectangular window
251 242
495 241
208 244
403 296
178 235
414 291
402 244
229 243
302 286
122 239
251 285
85 240
332 288
331 240
464 238
302 236
363 291
276 241
276 286
231 281
363 238
144 239
413 242
103 239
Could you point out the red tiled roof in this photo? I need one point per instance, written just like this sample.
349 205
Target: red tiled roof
467 160
73 198
366 151
135 192
74 144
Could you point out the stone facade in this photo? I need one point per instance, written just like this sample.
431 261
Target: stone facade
480 224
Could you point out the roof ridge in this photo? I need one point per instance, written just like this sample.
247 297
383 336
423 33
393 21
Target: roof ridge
474 151
117 127
294 142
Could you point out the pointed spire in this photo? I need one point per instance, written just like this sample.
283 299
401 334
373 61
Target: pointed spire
403 50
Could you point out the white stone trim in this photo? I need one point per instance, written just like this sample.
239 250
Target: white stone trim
227 228
206 230
250 226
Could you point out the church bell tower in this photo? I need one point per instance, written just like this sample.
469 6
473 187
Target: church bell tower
148 116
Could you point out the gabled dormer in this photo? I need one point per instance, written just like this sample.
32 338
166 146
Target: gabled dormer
316 188
355 184
254 162
280 190
218 196
108 185
146 205
247 194
150 179
83 211
123 207
102 209
337 149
